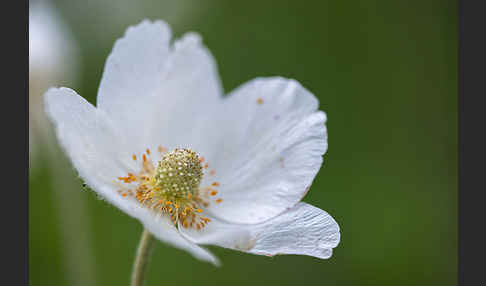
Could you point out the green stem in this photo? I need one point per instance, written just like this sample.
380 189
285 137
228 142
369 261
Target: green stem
141 260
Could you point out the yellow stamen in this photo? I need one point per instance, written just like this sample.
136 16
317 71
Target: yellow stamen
172 186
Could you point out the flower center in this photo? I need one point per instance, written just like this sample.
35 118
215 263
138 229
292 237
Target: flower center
178 174
173 186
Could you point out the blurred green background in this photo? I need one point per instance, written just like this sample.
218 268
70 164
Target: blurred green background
385 73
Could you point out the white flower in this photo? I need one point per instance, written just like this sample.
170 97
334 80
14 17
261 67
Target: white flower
194 167
52 48
53 58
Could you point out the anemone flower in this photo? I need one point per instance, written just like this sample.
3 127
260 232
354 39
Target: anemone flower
193 166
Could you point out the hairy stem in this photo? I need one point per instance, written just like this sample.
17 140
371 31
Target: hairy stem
141 259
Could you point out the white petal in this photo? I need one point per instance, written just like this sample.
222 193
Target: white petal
303 230
163 228
93 145
89 139
274 139
224 234
135 67
159 93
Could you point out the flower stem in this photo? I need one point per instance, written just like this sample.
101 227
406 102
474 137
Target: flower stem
141 259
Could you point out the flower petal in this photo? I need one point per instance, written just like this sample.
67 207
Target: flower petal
274 139
163 228
155 91
134 68
93 145
303 230
89 139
